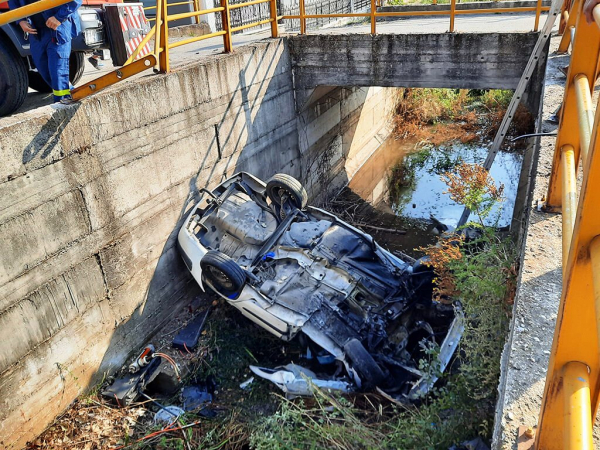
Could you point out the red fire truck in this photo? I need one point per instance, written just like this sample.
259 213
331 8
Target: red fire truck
17 71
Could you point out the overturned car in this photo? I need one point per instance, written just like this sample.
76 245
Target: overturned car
299 270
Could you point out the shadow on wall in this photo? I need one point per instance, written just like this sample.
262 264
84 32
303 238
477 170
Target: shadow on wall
240 141
122 274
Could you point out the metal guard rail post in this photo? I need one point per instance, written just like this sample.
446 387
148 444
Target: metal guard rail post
572 390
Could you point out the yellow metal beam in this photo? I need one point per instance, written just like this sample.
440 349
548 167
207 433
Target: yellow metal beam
187 15
250 25
572 15
373 17
569 198
576 332
139 48
29 10
113 77
595 261
577 412
585 113
164 64
538 12
226 21
584 61
273 12
452 14
196 39
302 11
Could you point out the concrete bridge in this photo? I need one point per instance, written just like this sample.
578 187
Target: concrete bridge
92 194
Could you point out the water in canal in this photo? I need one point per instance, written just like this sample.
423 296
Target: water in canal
425 195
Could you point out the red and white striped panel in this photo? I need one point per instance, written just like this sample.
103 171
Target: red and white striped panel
133 24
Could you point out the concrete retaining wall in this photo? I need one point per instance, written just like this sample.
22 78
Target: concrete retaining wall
91 196
339 128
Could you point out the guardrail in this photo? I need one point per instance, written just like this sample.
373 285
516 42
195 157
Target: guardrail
373 14
159 59
572 390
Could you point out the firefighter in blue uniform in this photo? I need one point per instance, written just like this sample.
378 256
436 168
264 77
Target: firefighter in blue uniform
50 34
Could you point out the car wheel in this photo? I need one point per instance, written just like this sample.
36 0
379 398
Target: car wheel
222 273
281 186
361 360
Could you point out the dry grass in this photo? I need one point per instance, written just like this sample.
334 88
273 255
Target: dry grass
439 116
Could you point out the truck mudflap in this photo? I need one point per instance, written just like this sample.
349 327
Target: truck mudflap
127 25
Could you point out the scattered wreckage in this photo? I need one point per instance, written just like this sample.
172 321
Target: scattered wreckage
299 271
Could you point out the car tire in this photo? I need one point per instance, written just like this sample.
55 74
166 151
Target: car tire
223 273
361 360
289 185
13 79
76 68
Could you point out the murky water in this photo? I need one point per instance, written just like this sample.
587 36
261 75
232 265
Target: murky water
425 197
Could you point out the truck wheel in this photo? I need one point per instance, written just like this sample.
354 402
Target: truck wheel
13 79
76 68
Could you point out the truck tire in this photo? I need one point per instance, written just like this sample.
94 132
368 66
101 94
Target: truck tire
13 79
76 68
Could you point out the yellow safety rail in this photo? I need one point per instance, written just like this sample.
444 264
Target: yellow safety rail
373 14
572 390
160 32
29 10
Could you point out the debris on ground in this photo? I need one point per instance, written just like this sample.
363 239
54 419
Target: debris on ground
187 338
168 414
297 381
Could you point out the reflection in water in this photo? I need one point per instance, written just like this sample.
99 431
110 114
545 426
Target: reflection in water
425 196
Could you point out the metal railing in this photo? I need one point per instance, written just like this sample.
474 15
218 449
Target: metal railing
572 390
373 14
159 58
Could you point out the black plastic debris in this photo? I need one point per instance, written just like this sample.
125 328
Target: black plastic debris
198 396
127 389
187 338
473 444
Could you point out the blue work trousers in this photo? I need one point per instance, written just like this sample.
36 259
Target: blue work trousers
52 61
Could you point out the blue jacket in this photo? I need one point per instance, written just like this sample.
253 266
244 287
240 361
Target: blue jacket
66 14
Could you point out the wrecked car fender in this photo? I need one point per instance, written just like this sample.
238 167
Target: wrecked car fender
191 253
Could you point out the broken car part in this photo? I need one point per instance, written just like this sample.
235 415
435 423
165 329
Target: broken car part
127 389
298 381
187 339
142 360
